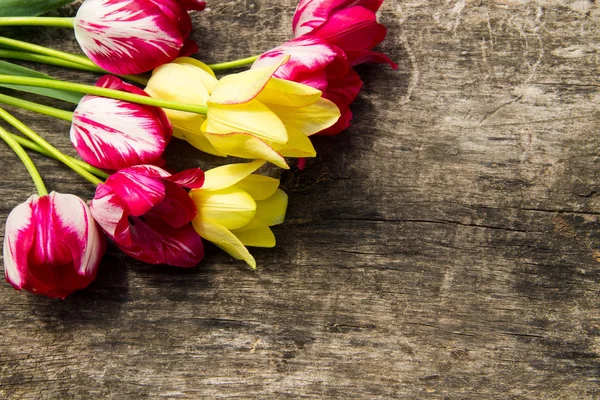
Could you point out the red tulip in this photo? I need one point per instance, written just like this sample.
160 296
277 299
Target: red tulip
146 211
52 245
348 24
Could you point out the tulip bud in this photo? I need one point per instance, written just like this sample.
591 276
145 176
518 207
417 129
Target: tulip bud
52 245
114 134
134 36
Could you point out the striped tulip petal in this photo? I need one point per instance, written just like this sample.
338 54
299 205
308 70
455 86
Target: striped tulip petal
52 245
134 36
114 134
311 14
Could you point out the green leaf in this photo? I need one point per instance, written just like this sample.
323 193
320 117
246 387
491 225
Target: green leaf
29 8
7 68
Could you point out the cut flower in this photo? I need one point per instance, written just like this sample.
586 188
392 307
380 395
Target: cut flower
146 211
348 24
236 208
134 36
52 245
114 134
250 114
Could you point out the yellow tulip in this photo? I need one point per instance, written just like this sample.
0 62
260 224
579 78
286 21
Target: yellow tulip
236 208
186 80
250 114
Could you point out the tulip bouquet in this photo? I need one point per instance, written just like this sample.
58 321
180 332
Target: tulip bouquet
54 242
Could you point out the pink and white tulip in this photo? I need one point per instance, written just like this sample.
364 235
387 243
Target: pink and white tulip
52 245
114 134
134 36
146 211
314 62
348 24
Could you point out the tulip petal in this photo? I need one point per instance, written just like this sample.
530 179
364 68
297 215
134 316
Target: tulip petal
260 187
126 37
180 82
343 90
310 119
242 87
311 14
228 175
299 145
341 124
155 242
245 145
312 61
177 209
352 29
192 178
254 118
18 240
196 139
78 232
272 210
288 93
224 239
109 211
199 64
231 207
258 237
138 192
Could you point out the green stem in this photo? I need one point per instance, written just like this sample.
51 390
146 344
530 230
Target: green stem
29 165
40 58
233 64
34 48
28 144
38 108
103 92
45 55
63 22
48 147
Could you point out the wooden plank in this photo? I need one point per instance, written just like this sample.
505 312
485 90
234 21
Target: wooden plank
446 246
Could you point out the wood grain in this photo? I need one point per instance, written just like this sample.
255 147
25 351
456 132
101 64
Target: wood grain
446 246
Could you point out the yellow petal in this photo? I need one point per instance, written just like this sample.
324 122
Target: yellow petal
196 139
310 119
298 145
228 175
246 146
231 207
258 237
272 210
288 93
180 82
245 86
253 117
260 187
224 239
196 63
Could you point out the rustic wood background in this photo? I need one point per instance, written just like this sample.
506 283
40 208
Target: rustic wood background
446 246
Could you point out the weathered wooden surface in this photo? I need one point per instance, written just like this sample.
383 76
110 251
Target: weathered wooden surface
446 246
